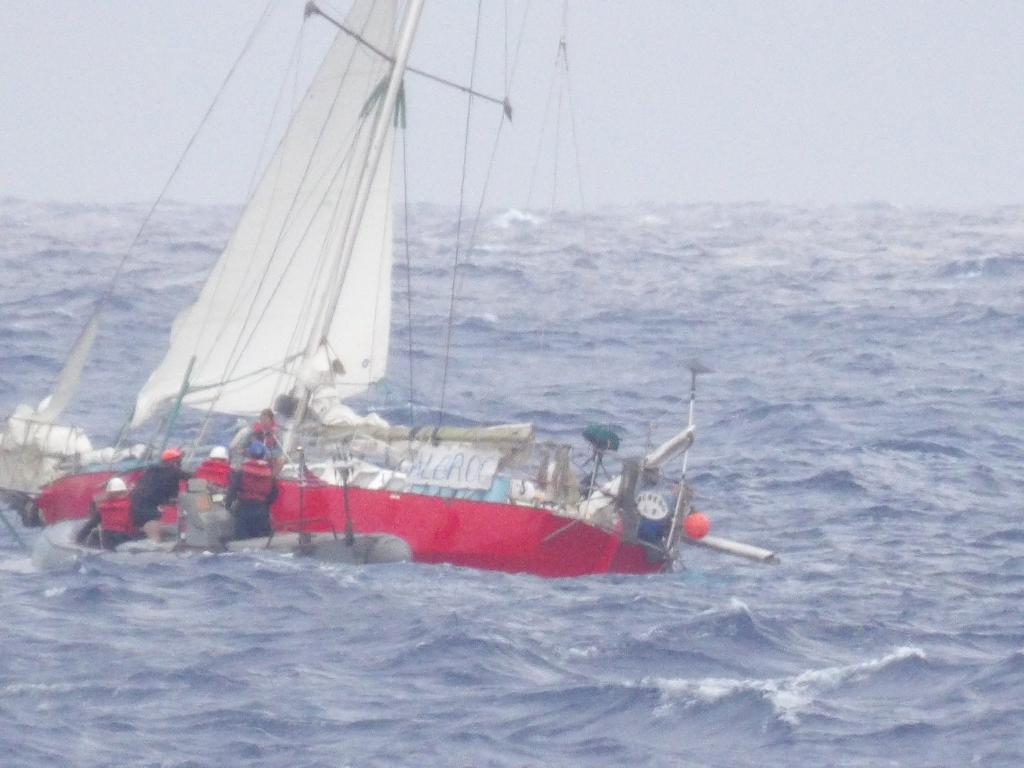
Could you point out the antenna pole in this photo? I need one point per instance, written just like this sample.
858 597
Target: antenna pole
683 499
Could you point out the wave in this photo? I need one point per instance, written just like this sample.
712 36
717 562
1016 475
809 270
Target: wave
789 697
514 217
925 447
835 481
863 416
1005 265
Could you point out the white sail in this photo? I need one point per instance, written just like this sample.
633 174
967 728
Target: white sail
70 374
250 325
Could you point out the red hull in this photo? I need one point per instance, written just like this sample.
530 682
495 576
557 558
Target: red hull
475 534
69 497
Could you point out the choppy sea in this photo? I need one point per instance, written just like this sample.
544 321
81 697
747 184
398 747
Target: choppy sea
864 418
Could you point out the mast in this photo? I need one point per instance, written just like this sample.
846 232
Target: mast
336 277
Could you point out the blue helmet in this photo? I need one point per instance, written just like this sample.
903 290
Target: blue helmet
257 450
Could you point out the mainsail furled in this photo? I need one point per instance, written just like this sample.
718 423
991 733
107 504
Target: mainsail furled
249 329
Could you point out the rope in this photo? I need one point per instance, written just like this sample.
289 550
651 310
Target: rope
558 135
294 62
170 179
239 348
504 103
543 134
408 272
458 229
561 80
293 65
572 121
184 154
480 206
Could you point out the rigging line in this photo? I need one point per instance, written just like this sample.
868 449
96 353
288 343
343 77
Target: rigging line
294 63
244 340
505 59
575 143
185 152
382 297
497 136
250 374
562 70
323 261
408 271
313 283
233 361
318 266
293 67
311 7
216 283
558 136
486 185
519 46
458 229
572 108
177 167
230 367
290 220
487 177
543 135
335 221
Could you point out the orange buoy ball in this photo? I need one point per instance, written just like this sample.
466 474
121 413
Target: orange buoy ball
696 525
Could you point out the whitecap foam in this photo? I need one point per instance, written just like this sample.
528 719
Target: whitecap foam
584 652
788 696
514 217
18 565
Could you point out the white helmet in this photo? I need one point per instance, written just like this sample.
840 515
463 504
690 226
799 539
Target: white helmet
219 452
116 485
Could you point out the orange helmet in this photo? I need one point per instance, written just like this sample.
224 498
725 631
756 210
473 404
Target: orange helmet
171 454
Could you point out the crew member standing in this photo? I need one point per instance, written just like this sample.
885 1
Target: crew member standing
265 431
157 485
252 491
215 470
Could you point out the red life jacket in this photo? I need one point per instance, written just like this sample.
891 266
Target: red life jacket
116 514
215 472
257 480
265 435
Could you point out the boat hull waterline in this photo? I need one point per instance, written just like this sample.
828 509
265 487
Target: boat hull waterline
516 538
58 546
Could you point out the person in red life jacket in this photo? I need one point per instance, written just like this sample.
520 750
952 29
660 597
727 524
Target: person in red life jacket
215 470
252 491
157 485
265 431
110 516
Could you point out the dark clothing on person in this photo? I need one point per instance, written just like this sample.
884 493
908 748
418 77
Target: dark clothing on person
91 533
157 485
251 510
252 520
82 537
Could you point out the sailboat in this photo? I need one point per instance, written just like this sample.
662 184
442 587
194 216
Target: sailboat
296 314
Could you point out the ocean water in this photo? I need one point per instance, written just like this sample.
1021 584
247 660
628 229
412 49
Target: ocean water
865 419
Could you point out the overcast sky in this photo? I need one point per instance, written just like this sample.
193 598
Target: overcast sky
804 102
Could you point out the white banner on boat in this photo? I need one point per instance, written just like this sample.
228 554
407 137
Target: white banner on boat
454 465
